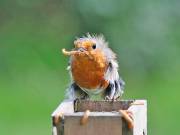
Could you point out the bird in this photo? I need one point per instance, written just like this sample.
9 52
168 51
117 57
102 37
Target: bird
93 69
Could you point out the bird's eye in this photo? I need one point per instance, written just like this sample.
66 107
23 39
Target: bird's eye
94 46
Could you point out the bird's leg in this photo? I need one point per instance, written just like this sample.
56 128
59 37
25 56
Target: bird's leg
117 95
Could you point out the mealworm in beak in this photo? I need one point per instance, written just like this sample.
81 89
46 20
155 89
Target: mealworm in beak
68 53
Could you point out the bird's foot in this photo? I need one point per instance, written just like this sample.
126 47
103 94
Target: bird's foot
109 98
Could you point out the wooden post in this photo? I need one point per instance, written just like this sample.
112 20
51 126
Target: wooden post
104 118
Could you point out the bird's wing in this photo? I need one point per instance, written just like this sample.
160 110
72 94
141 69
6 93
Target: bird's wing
112 75
112 71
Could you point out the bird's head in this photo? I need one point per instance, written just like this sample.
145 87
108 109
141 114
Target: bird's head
85 44
91 45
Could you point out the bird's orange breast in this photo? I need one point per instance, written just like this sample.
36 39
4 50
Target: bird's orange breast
89 73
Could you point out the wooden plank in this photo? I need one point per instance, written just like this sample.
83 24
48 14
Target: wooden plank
66 107
101 106
125 129
139 117
98 123
106 120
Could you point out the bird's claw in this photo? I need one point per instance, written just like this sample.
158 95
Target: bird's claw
109 98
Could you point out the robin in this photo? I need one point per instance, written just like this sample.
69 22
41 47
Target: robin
94 69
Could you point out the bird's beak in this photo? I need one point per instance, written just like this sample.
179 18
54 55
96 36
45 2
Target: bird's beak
81 49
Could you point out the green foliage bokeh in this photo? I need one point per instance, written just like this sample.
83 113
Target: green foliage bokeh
33 77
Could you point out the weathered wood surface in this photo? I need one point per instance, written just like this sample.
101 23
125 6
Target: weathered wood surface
98 124
106 120
101 106
66 107
139 117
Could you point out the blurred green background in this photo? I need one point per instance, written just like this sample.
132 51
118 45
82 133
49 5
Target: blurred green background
33 76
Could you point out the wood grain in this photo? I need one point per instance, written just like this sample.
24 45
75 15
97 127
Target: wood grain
101 106
104 118
95 126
